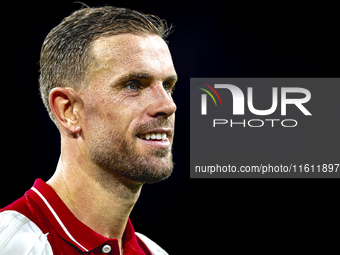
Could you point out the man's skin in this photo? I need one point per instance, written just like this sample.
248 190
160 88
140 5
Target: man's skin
102 114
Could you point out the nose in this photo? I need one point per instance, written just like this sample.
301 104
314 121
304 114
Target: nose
161 103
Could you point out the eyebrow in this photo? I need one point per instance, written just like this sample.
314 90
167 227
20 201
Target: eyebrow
173 78
143 75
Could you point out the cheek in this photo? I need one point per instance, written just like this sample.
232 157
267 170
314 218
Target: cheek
113 111
117 119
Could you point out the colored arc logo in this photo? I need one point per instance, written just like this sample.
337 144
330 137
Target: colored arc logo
213 90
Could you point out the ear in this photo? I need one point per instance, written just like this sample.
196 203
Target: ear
66 104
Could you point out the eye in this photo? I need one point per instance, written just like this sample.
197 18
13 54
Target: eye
169 86
166 85
133 85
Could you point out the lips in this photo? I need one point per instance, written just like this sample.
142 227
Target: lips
160 135
154 136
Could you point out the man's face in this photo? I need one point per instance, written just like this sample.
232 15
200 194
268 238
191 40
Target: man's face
128 114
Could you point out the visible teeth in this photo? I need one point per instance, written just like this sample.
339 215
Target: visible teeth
158 136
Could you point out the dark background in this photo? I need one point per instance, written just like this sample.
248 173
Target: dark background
211 39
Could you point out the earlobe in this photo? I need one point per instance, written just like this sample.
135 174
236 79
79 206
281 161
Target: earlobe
65 105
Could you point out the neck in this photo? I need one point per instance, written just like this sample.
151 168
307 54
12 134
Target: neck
95 196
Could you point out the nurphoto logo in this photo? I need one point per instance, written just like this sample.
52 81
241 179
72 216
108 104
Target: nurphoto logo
238 99
258 127
204 98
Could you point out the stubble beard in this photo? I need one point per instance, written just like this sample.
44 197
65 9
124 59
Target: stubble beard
119 159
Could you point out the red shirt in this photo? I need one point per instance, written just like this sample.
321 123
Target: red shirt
40 215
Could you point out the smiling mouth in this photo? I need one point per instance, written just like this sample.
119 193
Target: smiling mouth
154 136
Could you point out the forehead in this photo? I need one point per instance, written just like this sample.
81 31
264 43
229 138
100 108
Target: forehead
138 52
